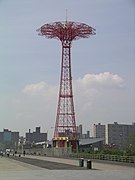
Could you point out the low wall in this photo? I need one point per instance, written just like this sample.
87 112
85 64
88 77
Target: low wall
59 152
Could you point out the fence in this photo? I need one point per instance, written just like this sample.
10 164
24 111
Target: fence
67 152
127 159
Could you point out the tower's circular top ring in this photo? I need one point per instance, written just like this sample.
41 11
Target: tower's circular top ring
66 31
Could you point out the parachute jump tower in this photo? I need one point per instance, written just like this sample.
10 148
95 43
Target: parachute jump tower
65 133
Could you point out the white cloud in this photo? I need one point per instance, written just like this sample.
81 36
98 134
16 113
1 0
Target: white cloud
88 82
96 97
102 80
41 88
90 87
89 91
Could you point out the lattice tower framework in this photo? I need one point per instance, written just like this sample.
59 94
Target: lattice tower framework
66 32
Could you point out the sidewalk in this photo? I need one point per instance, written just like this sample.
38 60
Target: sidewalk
95 165
15 170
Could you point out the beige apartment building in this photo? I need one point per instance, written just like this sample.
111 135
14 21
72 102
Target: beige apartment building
99 130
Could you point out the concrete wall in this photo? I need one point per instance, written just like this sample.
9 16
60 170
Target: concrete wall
59 152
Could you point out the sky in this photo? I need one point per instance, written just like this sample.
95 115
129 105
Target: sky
103 66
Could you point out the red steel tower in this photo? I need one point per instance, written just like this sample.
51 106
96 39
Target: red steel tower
65 133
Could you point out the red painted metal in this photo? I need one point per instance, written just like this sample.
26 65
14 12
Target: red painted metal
66 32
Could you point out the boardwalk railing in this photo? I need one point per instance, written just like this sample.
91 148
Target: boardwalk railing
66 152
118 158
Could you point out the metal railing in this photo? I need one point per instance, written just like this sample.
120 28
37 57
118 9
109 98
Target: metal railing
117 158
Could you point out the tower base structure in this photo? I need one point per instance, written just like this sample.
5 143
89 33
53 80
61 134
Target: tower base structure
66 142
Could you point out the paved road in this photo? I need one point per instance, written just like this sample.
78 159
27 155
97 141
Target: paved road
100 165
11 169
51 165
